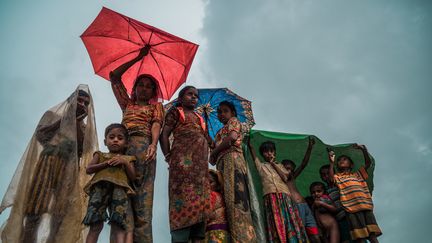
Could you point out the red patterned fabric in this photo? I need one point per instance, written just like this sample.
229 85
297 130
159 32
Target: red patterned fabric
189 189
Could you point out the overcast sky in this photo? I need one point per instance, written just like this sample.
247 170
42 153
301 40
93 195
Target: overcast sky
345 71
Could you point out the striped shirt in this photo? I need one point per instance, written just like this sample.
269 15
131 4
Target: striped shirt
354 192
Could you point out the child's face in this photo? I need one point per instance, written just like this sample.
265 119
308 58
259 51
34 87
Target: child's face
116 140
344 164
324 173
288 167
269 155
190 98
144 89
317 191
224 114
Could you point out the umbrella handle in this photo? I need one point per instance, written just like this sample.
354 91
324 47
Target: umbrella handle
144 51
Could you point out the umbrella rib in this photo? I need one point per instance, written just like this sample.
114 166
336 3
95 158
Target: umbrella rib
104 66
141 64
163 54
151 35
160 71
132 24
169 42
111 37
214 93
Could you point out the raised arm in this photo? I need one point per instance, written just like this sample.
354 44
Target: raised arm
306 157
115 76
331 156
284 175
254 157
365 155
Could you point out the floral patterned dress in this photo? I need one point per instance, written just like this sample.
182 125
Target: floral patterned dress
232 165
189 188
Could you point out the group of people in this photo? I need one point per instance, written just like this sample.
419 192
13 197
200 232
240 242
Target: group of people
204 205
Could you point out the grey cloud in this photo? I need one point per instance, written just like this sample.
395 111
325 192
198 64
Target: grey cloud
345 71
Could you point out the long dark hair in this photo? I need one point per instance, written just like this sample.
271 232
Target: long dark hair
182 93
228 104
153 84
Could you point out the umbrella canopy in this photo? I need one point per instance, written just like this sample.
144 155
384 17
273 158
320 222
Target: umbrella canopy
113 39
208 102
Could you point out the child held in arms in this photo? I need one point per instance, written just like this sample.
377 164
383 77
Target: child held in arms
324 209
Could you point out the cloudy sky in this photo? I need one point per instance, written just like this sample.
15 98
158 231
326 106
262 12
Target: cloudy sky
345 71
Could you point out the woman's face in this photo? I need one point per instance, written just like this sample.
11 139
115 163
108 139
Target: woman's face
144 89
224 114
190 98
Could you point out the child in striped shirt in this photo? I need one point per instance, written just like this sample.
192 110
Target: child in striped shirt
355 196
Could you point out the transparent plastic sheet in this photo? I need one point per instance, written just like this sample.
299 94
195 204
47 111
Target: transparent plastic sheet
45 193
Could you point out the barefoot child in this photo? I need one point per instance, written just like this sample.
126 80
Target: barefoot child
109 187
217 224
187 158
283 223
304 210
355 196
324 209
228 156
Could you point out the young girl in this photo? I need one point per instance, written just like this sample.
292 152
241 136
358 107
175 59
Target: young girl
217 225
355 196
109 187
229 159
188 168
282 218
324 209
143 120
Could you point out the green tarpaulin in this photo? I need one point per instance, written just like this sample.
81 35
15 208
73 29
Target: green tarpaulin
293 147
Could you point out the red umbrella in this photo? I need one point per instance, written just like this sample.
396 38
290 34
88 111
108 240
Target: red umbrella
113 39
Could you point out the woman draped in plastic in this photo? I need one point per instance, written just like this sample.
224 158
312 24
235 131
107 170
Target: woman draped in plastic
45 195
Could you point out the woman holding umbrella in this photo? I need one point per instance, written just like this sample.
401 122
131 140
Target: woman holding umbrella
228 157
143 120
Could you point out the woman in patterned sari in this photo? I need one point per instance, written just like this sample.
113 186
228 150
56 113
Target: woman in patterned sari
229 159
187 157
143 119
